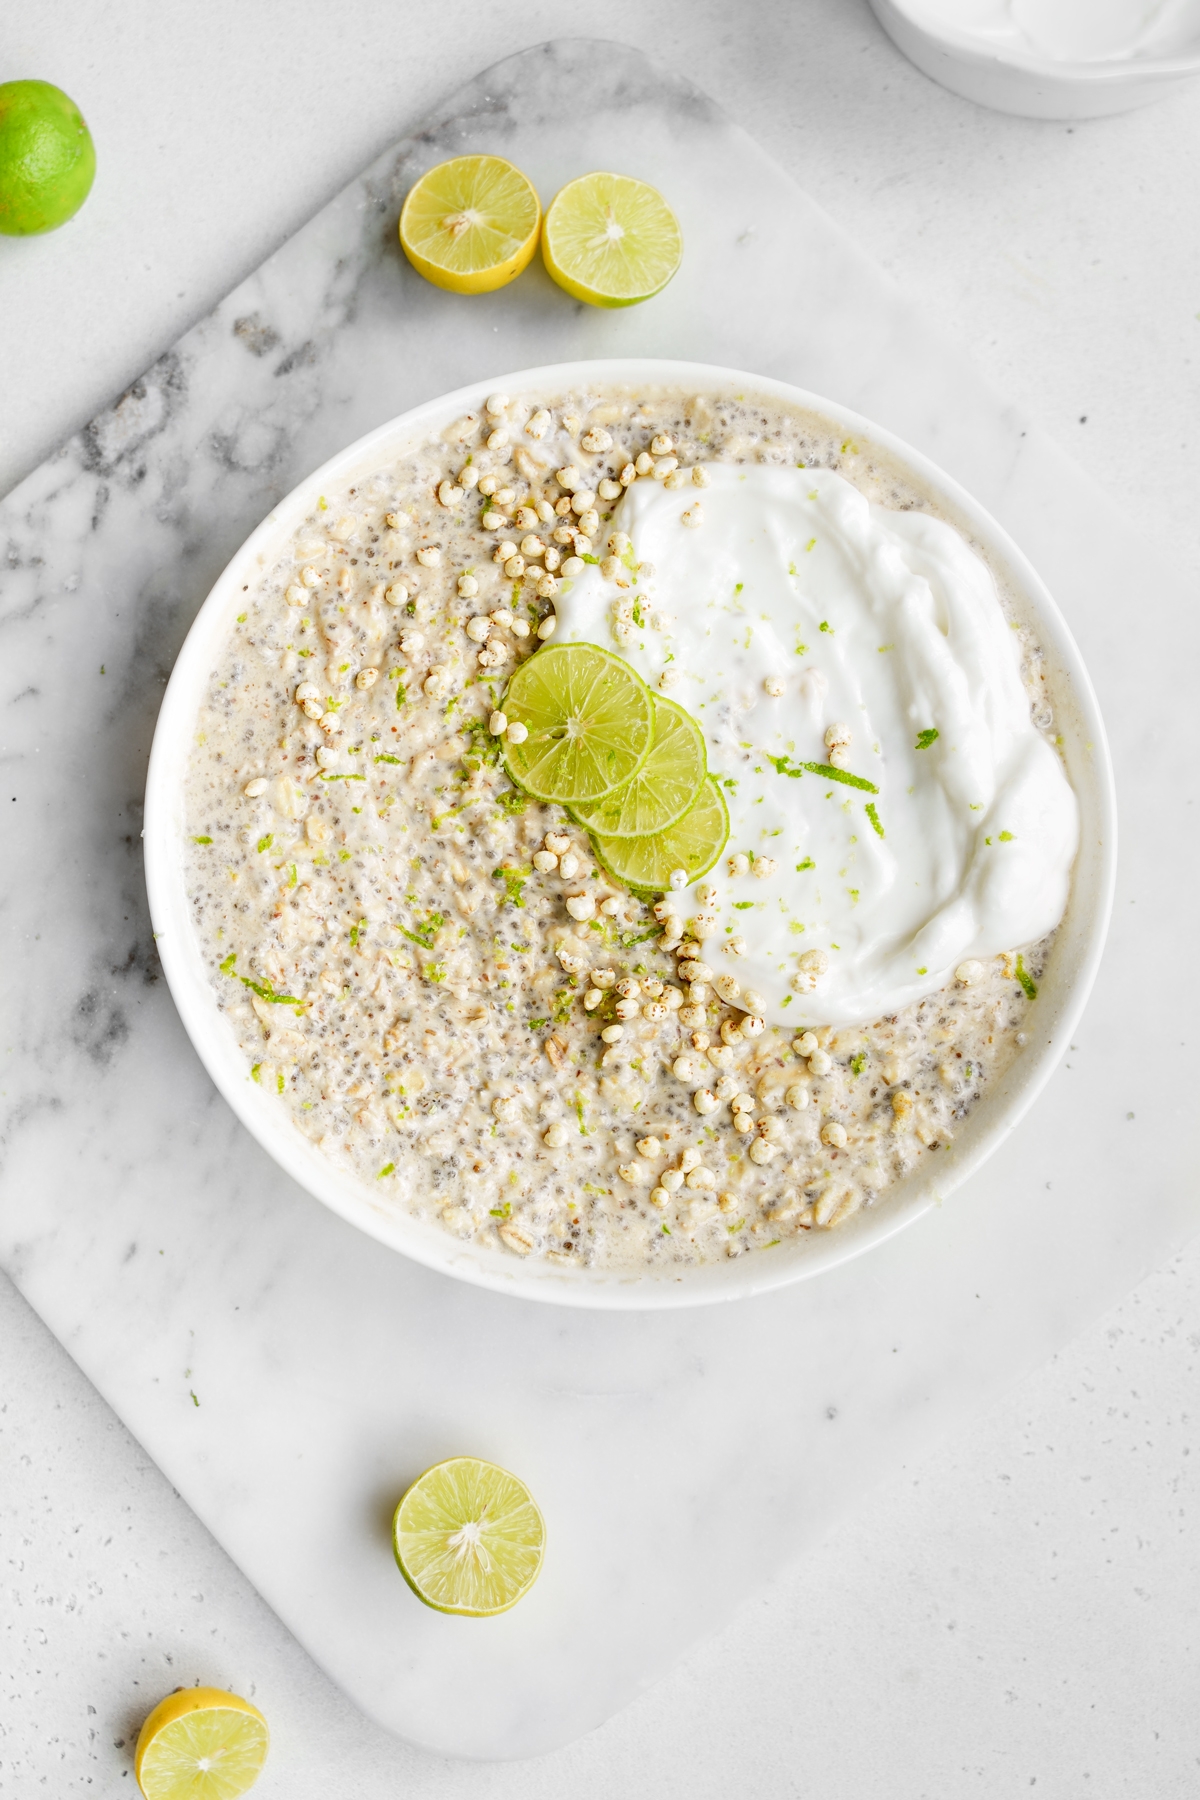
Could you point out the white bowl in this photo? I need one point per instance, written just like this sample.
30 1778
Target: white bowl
1064 990
1029 85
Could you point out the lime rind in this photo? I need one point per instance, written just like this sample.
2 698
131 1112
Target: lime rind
665 787
589 717
47 158
468 1538
692 844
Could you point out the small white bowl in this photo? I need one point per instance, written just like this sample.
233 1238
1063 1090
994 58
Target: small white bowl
1029 85
1064 989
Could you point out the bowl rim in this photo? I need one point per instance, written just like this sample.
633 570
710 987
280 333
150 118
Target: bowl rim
1073 74
433 1246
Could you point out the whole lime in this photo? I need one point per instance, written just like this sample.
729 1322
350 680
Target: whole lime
47 158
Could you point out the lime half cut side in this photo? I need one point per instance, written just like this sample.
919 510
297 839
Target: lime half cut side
201 1744
469 1538
589 717
692 845
664 788
471 224
611 240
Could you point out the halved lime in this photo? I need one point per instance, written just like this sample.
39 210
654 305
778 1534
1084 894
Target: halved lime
200 1744
610 240
471 224
590 720
468 1538
664 788
692 845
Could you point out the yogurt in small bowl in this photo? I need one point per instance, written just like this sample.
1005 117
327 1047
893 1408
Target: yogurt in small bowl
1050 59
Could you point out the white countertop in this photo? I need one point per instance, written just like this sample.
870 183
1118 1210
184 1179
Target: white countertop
1021 1607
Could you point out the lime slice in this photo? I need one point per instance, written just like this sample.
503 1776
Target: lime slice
471 225
47 158
590 723
468 1538
200 1744
610 240
665 786
692 844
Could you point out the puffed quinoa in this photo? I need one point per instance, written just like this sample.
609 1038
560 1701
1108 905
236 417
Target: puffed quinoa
820 1062
773 685
555 1136
254 788
833 1133
515 732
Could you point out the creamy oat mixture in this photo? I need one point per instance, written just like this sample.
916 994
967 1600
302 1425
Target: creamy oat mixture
431 971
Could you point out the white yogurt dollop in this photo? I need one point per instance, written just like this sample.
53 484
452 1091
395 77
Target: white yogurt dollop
886 623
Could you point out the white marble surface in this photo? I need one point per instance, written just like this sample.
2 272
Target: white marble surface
1070 1300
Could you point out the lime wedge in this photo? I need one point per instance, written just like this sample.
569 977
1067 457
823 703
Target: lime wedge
590 723
610 240
692 845
665 786
468 1538
200 1744
471 224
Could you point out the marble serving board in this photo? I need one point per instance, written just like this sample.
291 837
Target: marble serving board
290 1375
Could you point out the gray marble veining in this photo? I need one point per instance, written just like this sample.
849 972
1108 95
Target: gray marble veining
288 1374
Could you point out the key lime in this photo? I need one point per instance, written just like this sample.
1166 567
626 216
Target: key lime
665 786
468 1538
590 723
610 240
471 225
47 158
200 1744
692 845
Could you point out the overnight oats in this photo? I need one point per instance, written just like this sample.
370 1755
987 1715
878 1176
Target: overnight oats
629 827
